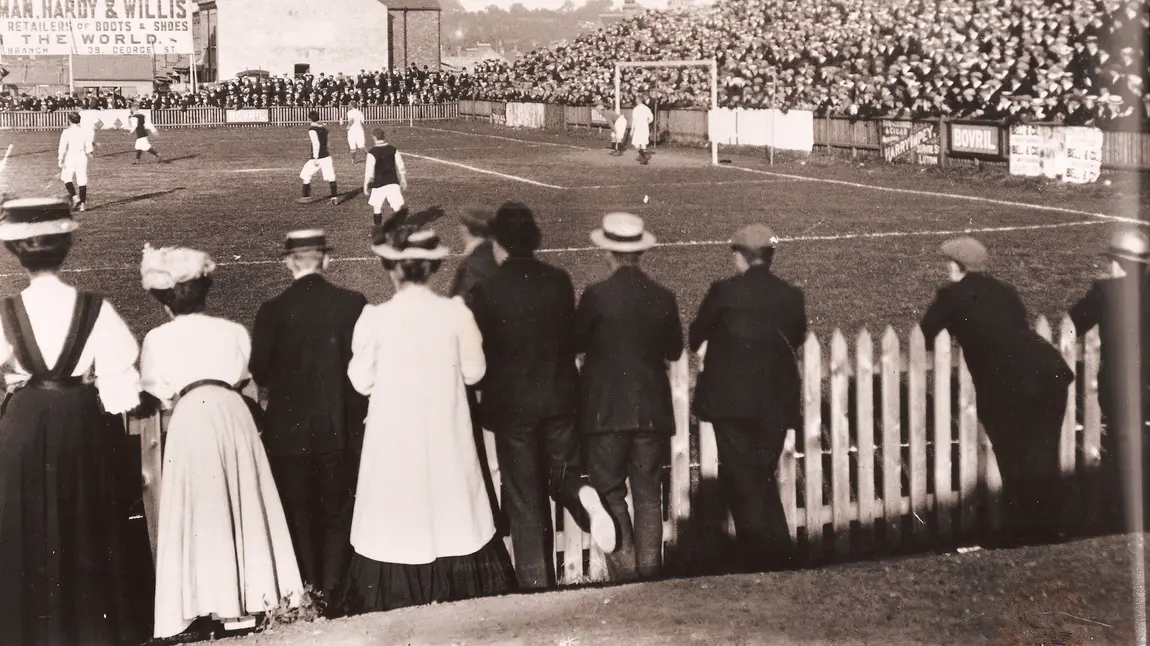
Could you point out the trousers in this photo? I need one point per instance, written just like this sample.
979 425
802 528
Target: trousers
613 459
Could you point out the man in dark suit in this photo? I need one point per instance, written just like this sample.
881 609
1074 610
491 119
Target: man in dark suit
529 395
301 346
479 262
628 328
1020 383
1120 307
753 326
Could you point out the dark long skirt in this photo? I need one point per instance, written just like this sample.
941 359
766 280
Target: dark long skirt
372 586
70 570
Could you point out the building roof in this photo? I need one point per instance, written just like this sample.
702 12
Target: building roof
43 71
412 5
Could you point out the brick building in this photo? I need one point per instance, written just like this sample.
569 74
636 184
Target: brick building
414 33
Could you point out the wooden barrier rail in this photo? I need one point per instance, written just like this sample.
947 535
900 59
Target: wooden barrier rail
890 455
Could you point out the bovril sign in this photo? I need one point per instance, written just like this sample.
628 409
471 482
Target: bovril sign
975 139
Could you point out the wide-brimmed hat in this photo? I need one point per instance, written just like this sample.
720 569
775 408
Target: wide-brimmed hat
25 218
623 232
408 236
305 240
1129 244
166 267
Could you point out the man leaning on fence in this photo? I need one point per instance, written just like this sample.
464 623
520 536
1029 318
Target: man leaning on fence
1020 383
753 325
529 395
628 328
1127 287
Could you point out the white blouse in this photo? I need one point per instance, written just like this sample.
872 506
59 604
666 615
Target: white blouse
190 348
111 349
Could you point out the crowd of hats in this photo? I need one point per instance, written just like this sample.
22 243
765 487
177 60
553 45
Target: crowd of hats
412 86
1079 62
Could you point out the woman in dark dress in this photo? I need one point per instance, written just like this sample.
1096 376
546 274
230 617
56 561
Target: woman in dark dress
70 360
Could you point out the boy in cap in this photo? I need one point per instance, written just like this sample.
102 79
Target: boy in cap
320 160
1120 307
1020 382
301 347
627 327
75 150
753 326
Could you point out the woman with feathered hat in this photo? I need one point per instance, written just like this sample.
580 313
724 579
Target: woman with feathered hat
65 558
422 529
223 549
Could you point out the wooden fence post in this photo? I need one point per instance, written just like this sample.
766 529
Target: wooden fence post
812 444
680 493
916 390
1067 444
1092 428
864 414
151 471
967 449
840 443
891 441
944 494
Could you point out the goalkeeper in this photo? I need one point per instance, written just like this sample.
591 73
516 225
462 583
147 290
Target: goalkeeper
618 129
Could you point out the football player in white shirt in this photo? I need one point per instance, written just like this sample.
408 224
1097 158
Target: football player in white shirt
641 119
76 144
355 136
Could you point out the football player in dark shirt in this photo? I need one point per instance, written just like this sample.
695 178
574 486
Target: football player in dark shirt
140 126
320 160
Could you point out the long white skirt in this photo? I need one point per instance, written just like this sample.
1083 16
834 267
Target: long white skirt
223 548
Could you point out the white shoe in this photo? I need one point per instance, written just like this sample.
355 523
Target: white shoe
602 525
82 207
240 623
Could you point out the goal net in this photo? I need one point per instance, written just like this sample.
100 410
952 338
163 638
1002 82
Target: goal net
714 103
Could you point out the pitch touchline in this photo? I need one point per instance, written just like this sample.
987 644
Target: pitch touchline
968 198
518 141
684 243
476 169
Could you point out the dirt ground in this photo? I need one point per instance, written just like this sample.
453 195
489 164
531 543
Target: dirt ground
1070 594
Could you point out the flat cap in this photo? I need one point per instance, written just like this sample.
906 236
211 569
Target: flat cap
754 236
967 252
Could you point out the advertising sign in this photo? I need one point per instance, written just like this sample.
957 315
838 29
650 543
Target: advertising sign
1083 155
975 139
906 141
95 27
248 116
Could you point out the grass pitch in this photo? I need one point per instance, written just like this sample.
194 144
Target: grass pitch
861 240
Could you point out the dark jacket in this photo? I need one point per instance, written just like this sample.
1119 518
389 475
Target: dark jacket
1099 307
628 327
301 346
1008 362
526 312
477 267
754 325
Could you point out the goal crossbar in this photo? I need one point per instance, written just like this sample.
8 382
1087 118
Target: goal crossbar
708 63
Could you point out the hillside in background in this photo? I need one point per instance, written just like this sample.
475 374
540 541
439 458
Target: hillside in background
517 27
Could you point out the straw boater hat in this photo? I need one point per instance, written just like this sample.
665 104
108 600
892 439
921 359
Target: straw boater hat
305 240
406 236
25 218
1129 244
622 232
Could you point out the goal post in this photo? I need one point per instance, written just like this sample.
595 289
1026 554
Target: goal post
708 63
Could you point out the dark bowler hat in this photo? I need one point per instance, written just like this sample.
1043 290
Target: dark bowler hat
966 251
514 227
754 236
305 240
25 218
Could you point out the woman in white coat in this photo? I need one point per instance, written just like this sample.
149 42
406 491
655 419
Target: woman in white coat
422 529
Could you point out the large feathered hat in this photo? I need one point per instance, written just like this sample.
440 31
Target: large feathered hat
409 236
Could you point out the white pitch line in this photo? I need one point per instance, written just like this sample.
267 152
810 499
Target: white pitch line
684 243
518 141
4 164
741 183
956 196
514 178
255 170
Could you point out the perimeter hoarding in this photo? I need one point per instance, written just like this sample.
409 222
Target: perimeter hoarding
95 27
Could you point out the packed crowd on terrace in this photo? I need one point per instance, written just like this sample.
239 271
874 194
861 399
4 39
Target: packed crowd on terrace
1080 63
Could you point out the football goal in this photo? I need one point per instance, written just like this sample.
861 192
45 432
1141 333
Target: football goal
708 63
